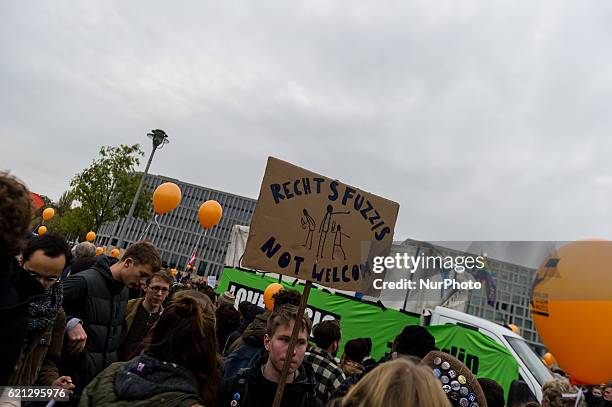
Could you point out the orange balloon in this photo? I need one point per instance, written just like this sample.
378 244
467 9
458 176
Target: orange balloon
269 293
210 213
571 300
99 251
90 236
48 213
42 230
166 197
549 359
115 253
173 272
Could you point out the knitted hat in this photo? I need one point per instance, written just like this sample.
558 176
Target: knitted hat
226 298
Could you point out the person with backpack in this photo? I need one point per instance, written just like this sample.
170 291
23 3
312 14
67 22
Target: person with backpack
256 386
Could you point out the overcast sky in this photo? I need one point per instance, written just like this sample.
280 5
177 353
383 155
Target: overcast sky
485 120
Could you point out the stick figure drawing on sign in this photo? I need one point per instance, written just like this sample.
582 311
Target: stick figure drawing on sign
308 223
337 229
324 228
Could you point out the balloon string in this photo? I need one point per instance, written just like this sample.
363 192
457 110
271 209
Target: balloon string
578 396
146 231
156 234
159 234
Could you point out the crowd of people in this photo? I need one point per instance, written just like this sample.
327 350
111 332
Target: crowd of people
70 321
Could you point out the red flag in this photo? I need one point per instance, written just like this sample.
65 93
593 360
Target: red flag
191 261
37 201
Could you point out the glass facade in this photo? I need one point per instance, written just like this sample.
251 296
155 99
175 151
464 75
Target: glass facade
513 283
512 303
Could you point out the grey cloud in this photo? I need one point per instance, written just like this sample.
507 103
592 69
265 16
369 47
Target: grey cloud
484 120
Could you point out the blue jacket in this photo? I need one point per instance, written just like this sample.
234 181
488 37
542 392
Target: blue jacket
244 357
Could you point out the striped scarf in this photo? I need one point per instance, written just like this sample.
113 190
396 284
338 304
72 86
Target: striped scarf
43 311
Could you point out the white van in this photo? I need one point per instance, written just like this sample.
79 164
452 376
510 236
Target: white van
531 368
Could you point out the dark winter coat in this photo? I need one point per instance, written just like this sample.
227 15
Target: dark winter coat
252 311
256 330
247 349
82 264
251 389
143 381
17 290
228 320
244 357
100 301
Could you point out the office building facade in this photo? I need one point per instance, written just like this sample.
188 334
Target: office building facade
511 305
179 230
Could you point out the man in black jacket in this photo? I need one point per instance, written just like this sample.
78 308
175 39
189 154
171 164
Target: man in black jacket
256 386
95 301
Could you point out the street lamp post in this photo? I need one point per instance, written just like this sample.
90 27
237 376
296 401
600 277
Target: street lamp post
160 139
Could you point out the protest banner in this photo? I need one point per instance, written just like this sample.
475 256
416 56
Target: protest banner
314 228
359 319
318 229
363 319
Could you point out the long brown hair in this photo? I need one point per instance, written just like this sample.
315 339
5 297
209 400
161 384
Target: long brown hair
397 383
185 334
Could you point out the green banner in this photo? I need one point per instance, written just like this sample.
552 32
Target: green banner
360 319
481 354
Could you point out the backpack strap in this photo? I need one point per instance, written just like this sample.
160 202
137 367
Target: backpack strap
241 388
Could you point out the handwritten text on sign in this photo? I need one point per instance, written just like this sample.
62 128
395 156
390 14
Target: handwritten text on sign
312 227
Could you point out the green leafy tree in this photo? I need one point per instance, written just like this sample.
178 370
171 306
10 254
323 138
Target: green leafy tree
69 221
72 223
64 204
106 188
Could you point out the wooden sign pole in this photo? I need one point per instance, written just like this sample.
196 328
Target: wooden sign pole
297 327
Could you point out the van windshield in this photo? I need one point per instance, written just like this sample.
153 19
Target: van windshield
531 360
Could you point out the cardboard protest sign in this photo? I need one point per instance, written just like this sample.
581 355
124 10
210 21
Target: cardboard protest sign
314 228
